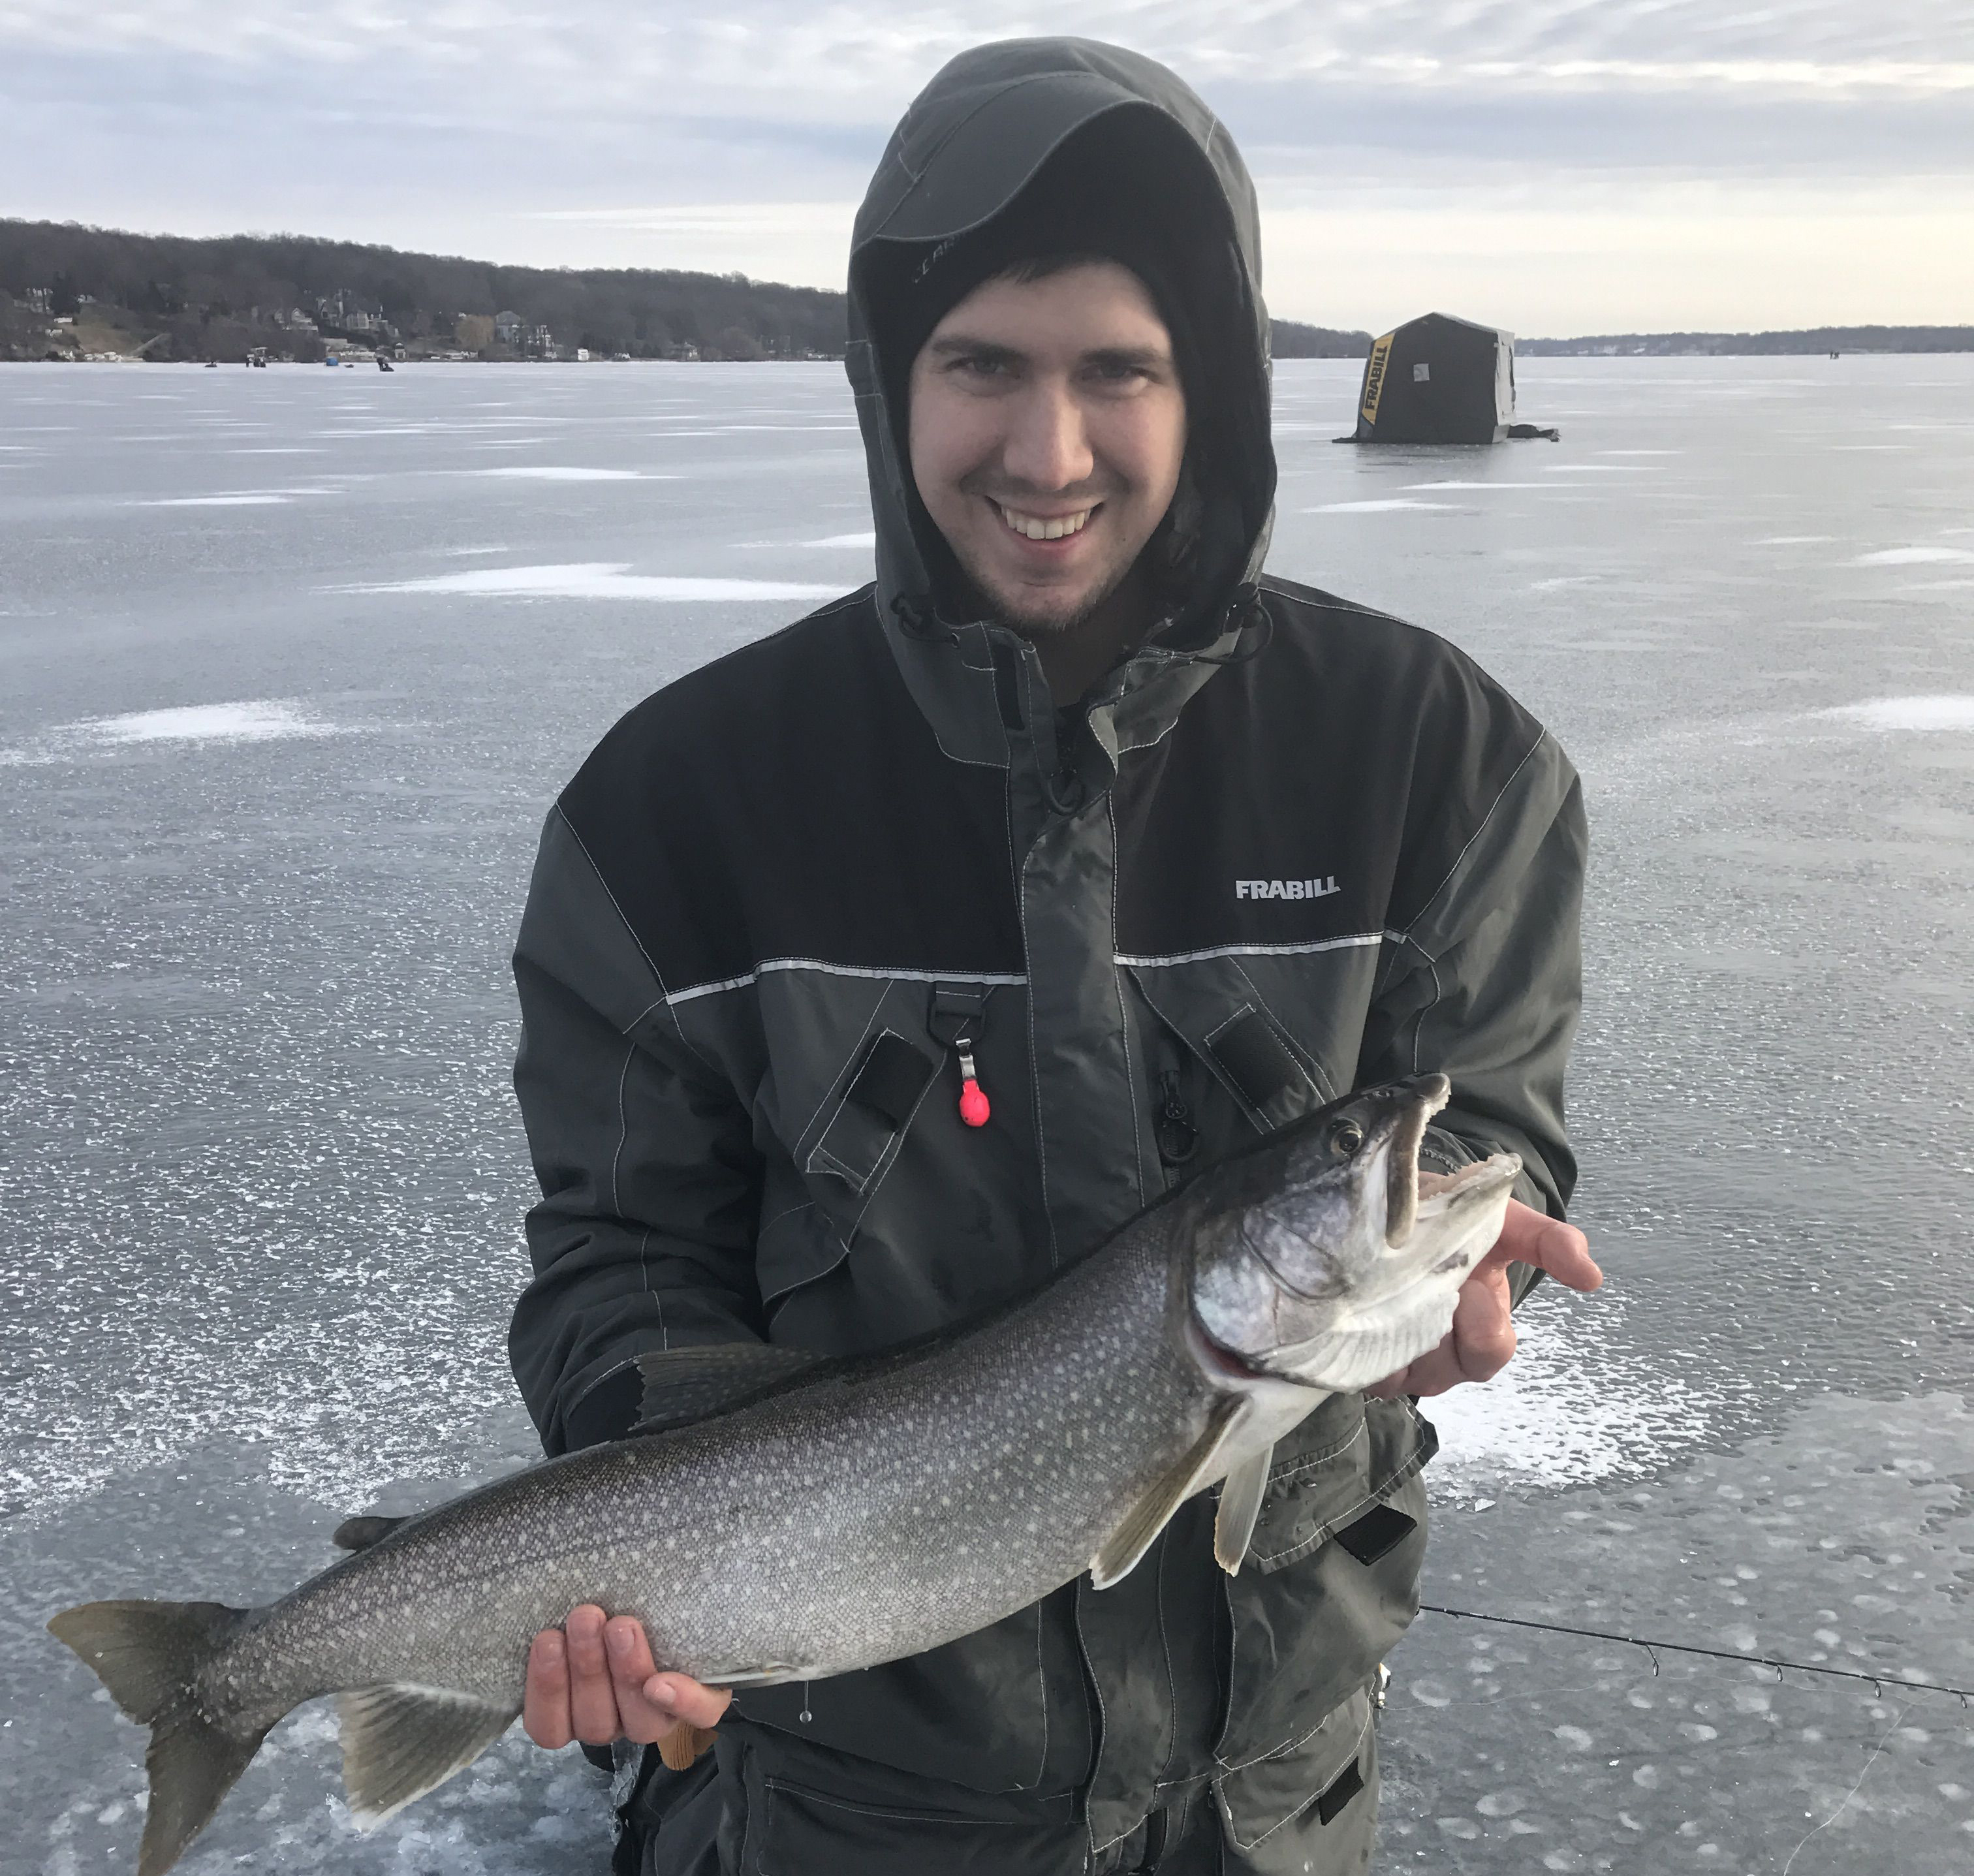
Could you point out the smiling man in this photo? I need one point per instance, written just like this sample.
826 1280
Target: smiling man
876 972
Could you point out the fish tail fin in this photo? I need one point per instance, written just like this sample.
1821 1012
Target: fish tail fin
147 1655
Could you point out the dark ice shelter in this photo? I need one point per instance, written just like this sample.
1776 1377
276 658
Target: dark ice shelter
1439 379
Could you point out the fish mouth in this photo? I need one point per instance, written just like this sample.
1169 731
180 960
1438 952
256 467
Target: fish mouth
1430 1093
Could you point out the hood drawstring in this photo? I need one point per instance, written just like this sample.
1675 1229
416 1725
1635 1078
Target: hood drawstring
1245 609
920 621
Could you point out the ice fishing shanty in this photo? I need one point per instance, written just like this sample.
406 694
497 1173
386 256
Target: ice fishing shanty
1440 379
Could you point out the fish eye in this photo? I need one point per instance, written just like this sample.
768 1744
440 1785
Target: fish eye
1345 1137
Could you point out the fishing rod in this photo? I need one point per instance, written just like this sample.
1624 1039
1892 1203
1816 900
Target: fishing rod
1880 1682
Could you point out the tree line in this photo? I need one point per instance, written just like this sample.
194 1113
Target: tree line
1815 340
175 297
218 297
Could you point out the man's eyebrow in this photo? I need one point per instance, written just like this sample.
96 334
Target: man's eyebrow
1142 357
958 345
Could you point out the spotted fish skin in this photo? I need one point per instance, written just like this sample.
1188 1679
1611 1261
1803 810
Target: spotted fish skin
856 1512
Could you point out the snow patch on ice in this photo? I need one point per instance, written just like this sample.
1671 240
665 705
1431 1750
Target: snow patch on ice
1944 712
596 580
1564 1412
264 719
1792 540
266 498
1373 507
1913 556
1476 485
565 473
844 540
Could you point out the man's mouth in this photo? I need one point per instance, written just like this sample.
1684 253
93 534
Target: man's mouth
1036 527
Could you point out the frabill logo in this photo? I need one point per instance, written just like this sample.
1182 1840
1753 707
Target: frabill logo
1286 889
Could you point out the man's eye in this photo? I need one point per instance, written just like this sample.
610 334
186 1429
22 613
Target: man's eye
980 365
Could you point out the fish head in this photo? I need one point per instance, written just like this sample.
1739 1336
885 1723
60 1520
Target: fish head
1315 1259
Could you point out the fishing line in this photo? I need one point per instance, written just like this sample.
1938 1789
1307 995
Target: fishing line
1879 1682
1845 1804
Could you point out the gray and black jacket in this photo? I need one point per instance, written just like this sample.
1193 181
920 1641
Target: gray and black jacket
1290 846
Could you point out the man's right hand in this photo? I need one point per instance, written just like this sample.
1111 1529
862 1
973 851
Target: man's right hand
595 1680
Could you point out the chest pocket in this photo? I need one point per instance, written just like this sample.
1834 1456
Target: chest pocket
860 1137
1258 1072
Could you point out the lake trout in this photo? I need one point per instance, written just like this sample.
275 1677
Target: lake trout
777 1515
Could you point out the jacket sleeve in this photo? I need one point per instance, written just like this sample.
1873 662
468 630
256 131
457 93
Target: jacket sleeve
1485 985
644 1238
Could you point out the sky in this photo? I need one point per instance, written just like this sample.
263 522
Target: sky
1558 167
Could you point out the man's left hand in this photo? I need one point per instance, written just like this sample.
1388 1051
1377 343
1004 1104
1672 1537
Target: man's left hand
1482 1341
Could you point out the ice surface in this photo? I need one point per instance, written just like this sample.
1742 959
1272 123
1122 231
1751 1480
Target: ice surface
600 580
844 540
262 1176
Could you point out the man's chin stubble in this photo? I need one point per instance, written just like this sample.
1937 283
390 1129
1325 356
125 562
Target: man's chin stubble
1036 623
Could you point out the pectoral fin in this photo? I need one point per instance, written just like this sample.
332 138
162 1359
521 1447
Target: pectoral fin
1239 1505
401 1741
1120 1551
684 1385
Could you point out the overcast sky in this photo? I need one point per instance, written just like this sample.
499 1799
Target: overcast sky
1556 166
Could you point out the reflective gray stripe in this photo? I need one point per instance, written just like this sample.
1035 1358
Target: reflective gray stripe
843 970
1255 950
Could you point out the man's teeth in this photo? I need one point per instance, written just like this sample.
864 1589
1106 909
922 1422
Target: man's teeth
1037 527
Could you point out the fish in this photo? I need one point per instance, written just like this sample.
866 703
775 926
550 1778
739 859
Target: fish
776 1515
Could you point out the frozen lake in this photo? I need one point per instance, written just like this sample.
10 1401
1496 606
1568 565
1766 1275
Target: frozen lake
292 663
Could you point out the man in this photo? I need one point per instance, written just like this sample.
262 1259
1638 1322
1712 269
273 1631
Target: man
1074 819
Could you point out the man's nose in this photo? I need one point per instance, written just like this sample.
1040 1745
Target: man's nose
1048 446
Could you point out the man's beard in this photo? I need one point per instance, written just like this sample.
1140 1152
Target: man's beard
1034 621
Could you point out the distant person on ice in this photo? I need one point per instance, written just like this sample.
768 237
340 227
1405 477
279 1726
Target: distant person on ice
1075 819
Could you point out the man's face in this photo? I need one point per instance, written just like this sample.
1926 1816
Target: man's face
1047 426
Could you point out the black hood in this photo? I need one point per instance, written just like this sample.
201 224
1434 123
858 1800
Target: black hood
973 140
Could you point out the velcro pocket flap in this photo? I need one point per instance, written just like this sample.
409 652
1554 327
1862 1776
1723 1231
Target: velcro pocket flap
876 1107
1254 1059
892 1076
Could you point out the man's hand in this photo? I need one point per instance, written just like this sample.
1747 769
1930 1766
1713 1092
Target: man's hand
595 1682
1482 1341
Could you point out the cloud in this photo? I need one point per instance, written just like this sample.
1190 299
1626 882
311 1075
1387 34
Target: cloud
738 137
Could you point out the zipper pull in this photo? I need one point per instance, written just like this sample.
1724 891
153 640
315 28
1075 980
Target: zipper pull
974 1106
1177 1138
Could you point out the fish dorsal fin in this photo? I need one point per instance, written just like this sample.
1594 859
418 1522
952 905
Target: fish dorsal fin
1239 1505
1120 1551
400 1741
359 1533
684 1385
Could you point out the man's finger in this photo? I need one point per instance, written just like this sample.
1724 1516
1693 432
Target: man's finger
697 1704
1483 1328
592 1699
545 1708
1434 1373
1529 1237
631 1670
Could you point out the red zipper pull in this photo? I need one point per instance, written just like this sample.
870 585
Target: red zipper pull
974 1107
